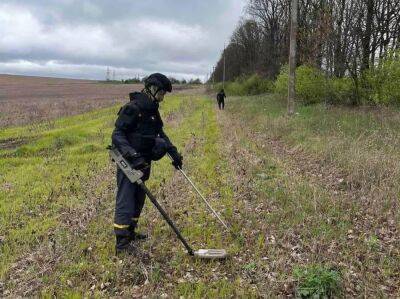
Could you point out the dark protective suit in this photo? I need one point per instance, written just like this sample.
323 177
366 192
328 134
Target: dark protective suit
221 100
136 129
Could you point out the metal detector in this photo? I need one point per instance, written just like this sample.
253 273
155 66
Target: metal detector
205 200
135 177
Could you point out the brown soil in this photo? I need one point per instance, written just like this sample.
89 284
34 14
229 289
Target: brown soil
13 143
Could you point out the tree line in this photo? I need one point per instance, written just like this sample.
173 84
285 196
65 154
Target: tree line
173 81
342 38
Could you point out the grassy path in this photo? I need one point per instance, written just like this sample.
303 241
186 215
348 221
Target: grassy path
323 201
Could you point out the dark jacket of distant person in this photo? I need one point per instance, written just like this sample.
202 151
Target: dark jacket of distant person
221 96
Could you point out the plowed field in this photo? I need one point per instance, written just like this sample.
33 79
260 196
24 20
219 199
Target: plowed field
26 100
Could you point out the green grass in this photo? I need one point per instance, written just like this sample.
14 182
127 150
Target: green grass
311 150
46 175
316 281
361 142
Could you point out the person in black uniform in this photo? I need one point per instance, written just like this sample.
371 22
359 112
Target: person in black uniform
221 99
140 137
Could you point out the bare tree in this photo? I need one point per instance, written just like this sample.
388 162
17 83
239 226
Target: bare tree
340 37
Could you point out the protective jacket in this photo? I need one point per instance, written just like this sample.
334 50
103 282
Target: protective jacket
221 96
139 126
138 131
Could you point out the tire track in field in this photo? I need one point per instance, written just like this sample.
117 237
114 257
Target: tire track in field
249 211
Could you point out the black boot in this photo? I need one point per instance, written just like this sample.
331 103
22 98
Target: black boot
135 235
124 245
139 236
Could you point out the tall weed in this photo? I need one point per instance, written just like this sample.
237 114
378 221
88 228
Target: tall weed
317 281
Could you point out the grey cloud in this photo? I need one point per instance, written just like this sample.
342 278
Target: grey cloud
176 37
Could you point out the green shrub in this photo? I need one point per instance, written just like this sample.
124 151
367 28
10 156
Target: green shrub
380 85
384 81
256 85
311 85
243 86
281 83
341 90
317 281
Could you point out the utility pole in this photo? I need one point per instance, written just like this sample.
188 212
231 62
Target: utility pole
292 60
213 75
108 74
223 75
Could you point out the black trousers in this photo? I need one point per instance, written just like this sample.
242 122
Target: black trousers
221 104
129 204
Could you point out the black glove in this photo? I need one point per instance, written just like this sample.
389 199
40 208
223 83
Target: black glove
135 160
159 149
176 158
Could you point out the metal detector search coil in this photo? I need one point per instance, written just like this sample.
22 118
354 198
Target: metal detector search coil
211 253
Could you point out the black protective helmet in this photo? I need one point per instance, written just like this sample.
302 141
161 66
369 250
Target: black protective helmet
159 80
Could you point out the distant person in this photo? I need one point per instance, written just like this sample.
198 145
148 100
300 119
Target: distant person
221 99
140 137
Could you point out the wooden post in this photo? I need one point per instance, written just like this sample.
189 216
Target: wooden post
213 77
292 60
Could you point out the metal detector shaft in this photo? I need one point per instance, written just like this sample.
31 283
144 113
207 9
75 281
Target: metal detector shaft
165 216
205 201
202 197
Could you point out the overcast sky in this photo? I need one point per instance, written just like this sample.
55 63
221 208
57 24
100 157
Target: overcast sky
80 38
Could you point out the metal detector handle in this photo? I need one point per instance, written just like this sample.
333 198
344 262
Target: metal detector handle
165 216
202 197
132 174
